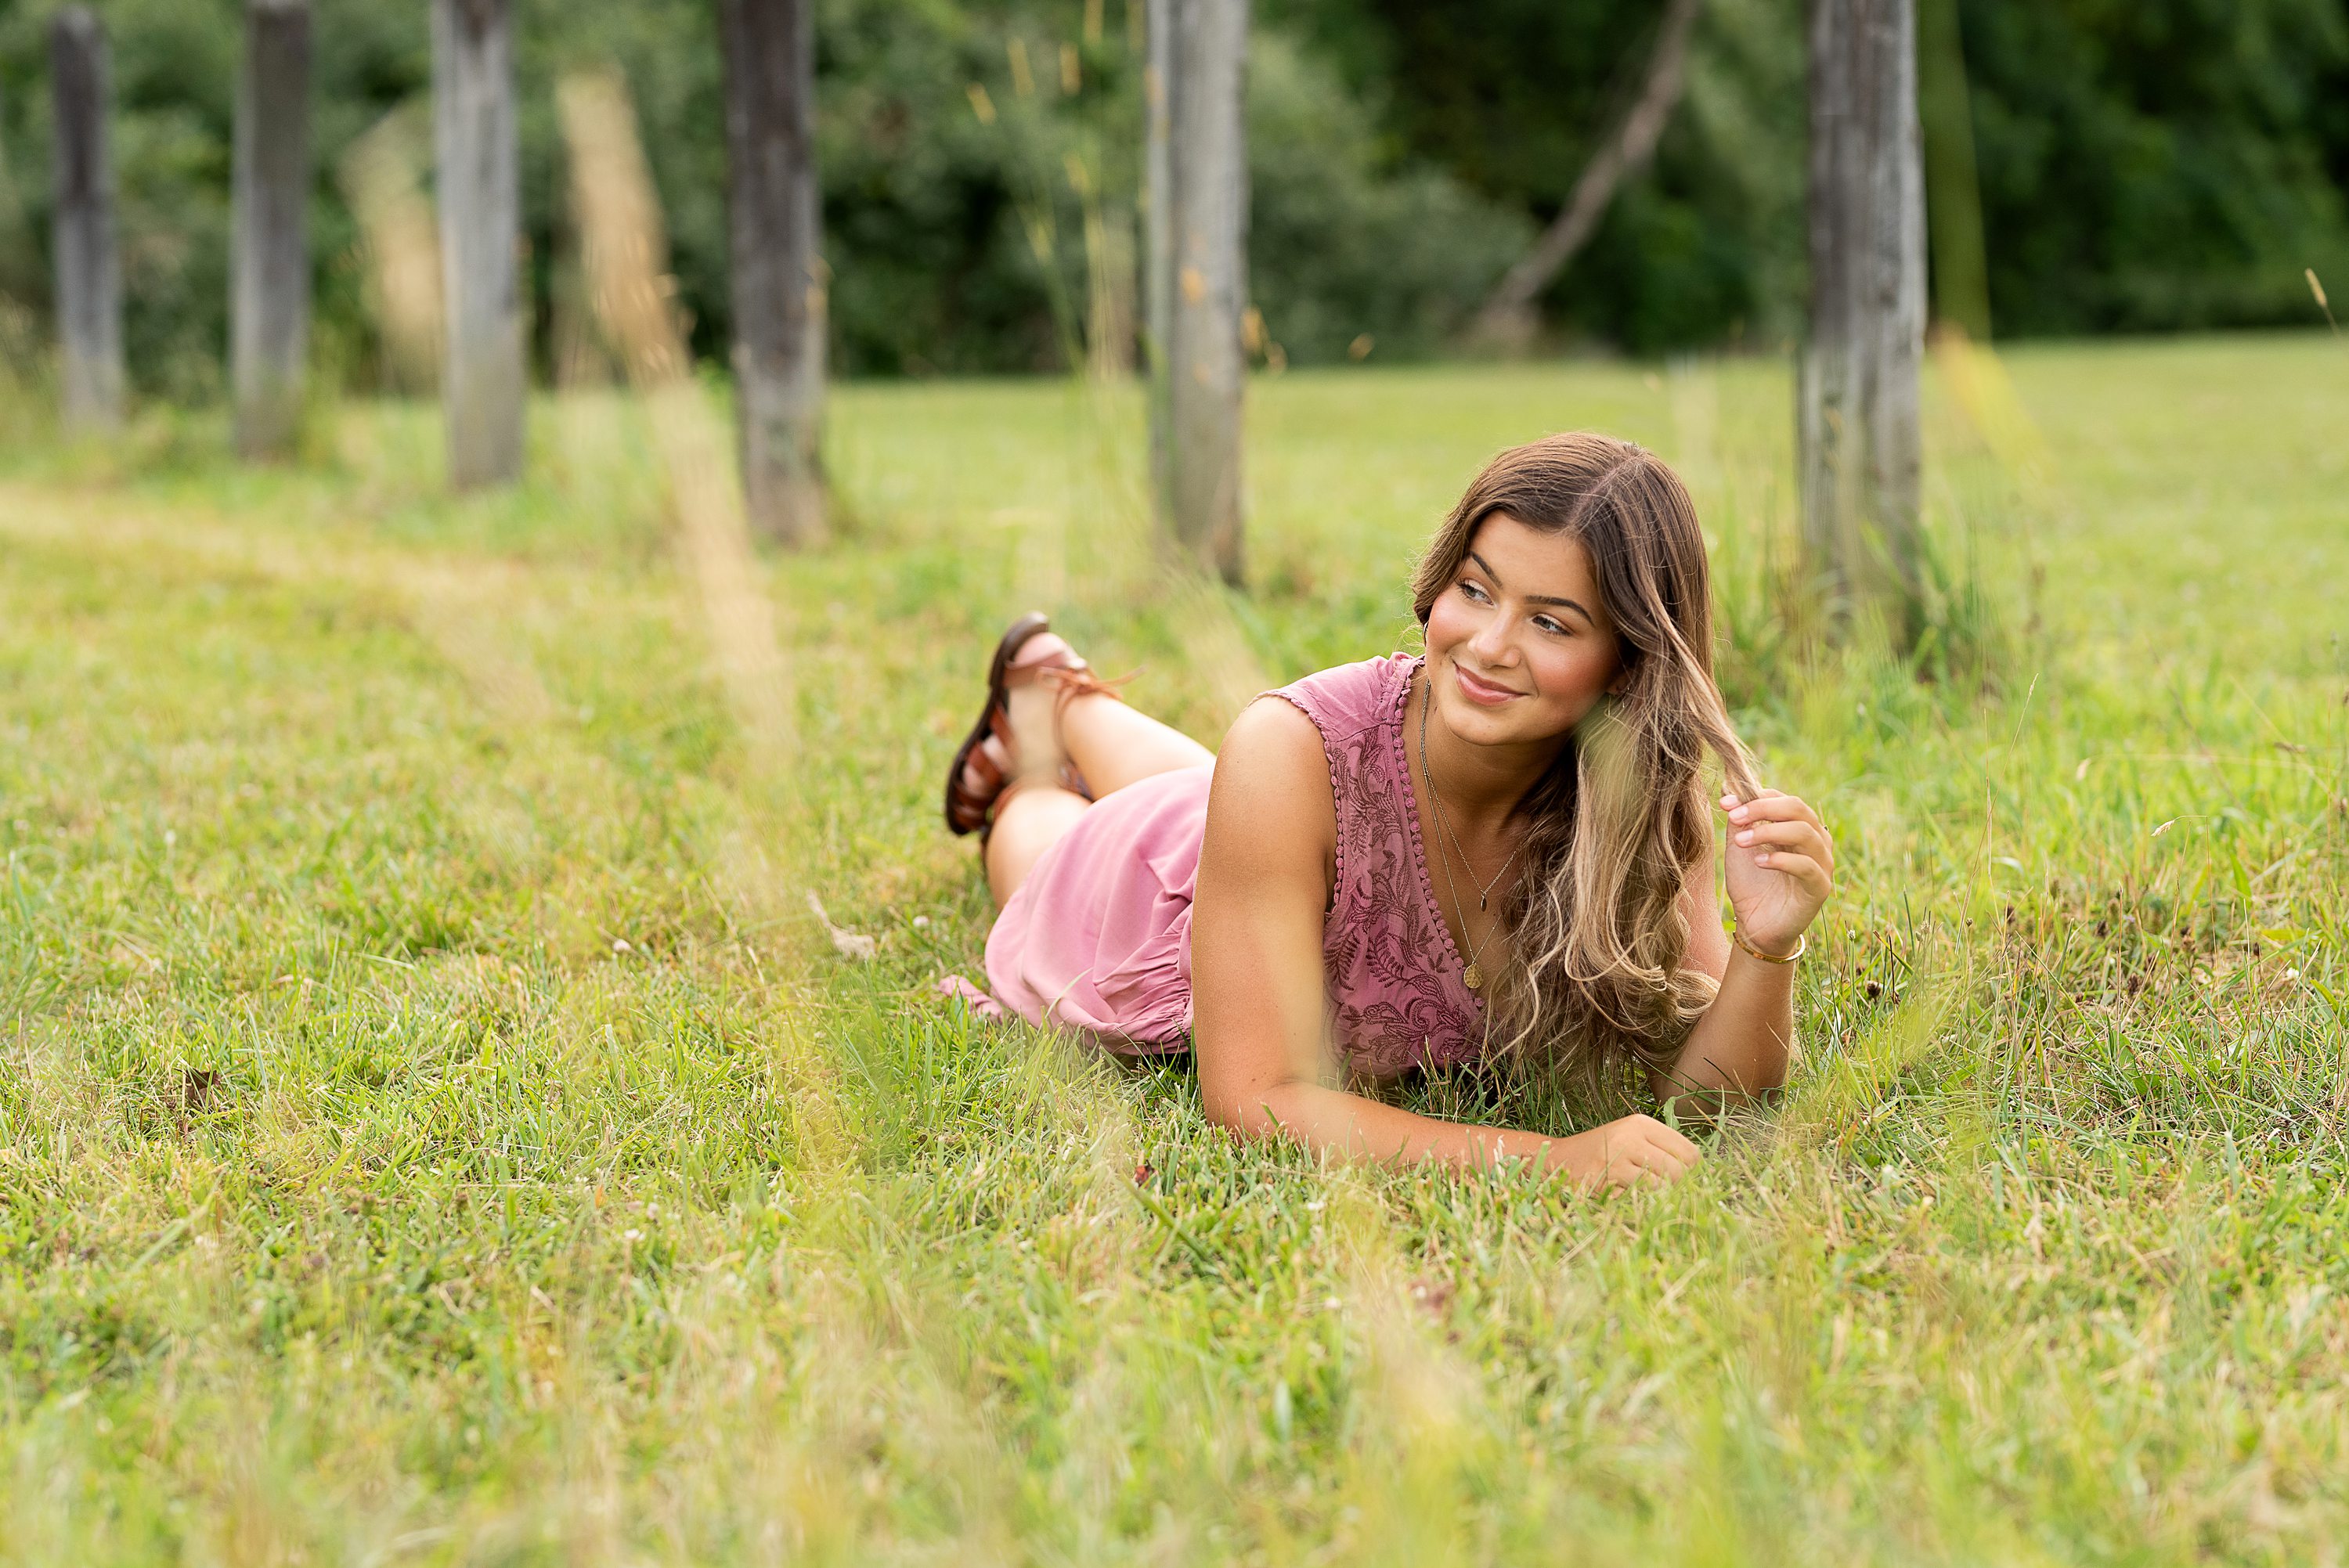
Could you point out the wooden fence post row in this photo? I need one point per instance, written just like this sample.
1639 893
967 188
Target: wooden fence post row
1857 398
270 309
89 269
482 379
1196 164
779 282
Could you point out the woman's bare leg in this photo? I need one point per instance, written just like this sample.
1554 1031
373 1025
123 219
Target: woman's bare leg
1026 823
1114 744
1035 809
1111 744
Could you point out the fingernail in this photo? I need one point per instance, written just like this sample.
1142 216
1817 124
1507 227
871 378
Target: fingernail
1762 859
1738 815
1746 838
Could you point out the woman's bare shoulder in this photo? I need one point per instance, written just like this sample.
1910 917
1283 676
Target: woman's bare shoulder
1273 742
1272 780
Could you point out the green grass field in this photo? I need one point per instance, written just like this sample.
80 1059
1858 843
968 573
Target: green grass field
434 1129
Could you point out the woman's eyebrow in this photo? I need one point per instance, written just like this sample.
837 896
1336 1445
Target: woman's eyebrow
1486 567
1570 604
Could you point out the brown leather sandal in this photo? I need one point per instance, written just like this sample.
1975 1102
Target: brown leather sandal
968 811
972 800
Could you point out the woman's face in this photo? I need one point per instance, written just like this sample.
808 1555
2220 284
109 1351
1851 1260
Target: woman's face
1519 647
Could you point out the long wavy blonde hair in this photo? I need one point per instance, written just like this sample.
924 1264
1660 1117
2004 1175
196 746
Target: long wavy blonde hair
1617 827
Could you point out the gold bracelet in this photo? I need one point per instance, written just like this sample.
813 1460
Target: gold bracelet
1802 943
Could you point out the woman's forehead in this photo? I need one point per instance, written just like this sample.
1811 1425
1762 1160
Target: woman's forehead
1511 550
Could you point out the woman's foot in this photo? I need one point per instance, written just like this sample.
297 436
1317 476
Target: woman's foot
1016 738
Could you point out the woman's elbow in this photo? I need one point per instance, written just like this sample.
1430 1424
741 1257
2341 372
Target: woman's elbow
1251 1109
1235 1112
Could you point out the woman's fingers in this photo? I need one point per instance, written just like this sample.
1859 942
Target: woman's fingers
1799 835
1801 868
1671 1141
1659 1169
1782 822
1640 1151
1772 808
1650 1162
1785 835
1654 1170
1666 1167
1776 807
1770 839
1665 1151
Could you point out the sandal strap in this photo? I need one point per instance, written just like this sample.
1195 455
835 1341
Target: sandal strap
1080 681
972 806
994 807
967 812
1067 661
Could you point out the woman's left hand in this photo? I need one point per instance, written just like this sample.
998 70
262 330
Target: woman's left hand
1781 868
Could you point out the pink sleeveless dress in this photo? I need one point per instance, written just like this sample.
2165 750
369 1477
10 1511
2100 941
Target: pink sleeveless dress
1098 938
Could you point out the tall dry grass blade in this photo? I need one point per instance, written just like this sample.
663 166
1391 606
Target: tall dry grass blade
1109 275
1986 394
1986 399
625 251
382 176
464 615
1212 640
1694 391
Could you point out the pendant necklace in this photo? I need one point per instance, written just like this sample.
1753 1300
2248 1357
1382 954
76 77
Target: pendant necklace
1472 977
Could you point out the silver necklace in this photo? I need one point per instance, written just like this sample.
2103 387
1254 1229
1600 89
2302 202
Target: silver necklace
1472 977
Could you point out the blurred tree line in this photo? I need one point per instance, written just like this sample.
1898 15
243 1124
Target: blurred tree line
2170 164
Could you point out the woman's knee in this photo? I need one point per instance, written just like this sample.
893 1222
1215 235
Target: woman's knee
1027 822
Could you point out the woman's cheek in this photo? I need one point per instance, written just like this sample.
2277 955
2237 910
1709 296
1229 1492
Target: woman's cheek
1445 628
1574 676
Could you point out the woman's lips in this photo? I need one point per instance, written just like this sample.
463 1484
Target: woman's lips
1478 690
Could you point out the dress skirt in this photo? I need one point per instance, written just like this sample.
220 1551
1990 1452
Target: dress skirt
1098 938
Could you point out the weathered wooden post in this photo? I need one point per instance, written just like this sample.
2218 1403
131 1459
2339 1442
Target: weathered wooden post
270 306
1857 421
1197 290
779 283
481 372
89 270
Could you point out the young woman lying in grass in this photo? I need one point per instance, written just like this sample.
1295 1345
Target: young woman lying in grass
1500 849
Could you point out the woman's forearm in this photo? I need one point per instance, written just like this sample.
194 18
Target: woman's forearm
1626 1152
1742 1044
1349 1124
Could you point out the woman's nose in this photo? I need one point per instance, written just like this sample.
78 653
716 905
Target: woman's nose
1492 640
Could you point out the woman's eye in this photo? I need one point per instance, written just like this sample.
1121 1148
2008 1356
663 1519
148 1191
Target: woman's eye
1473 591
1547 625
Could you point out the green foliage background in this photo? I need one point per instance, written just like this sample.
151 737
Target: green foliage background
2170 165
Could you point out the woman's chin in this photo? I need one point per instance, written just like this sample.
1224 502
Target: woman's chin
1512 722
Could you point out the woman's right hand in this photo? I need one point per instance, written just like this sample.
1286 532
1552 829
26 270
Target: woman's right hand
1635 1152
